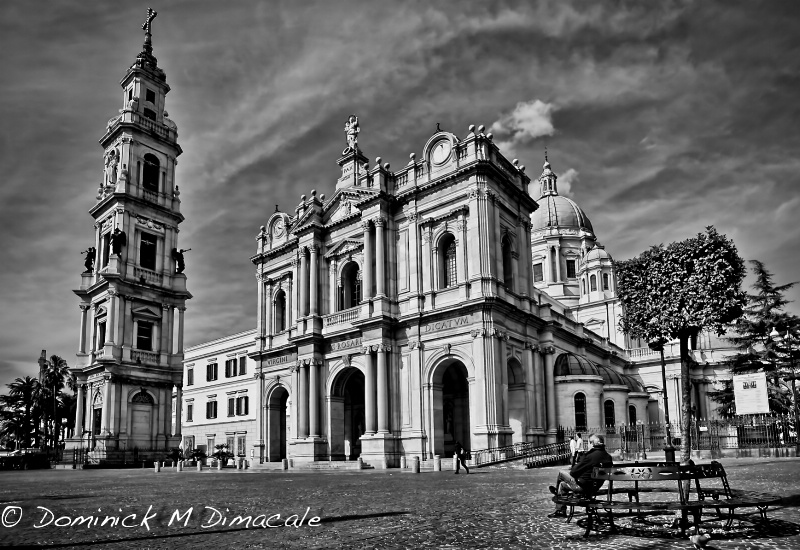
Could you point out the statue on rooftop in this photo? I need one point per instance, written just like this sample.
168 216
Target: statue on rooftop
88 262
118 240
351 130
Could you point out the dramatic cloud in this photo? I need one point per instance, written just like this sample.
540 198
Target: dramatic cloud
660 118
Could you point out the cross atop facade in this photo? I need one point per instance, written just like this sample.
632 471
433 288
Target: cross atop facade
150 16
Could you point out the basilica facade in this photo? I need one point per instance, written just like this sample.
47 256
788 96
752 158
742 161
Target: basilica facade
402 314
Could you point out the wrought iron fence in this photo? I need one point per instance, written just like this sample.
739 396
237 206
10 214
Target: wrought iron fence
750 431
536 453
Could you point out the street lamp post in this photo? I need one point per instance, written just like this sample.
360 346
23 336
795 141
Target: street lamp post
789 339
669 450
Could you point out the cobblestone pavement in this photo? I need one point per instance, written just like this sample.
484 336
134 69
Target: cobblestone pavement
498 508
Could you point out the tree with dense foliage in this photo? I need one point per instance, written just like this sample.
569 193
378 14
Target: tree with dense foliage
55 377
757 352
21 412
676 291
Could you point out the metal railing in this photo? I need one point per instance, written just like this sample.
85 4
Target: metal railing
537 454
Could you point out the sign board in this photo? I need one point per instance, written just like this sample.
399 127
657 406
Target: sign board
750 393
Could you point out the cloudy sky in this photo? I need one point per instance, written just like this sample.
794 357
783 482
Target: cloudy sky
660 118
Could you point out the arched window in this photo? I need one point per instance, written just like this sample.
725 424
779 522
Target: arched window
150 173
508 271
350 291
605 281
280 311
580 412
593 283
447 261
608 411
631 415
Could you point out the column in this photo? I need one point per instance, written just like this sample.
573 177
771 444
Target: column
294 296
84 316
314 284
383 388
178 410
289 316
538 388
426 271
127 321
106 406
267 314
380 263
261 329
498 236
79 411
162 347
333 286
558 263
302 401
413 249
180 329
313 397
530 389
550 387
303 283
367 290
369 392
112 316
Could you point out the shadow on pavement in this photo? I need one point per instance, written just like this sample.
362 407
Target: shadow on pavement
109 542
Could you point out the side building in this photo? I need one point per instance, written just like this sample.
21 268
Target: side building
400 315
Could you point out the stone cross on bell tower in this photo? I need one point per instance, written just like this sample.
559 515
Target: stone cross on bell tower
148 45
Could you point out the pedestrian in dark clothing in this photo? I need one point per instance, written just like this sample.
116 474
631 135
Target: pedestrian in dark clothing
578 479
460 457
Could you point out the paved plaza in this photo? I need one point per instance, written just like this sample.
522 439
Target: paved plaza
490 508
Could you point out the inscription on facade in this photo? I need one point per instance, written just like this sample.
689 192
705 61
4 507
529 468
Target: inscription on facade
276 360
345 344
449 323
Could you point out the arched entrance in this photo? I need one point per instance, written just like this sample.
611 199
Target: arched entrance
450 408
515 400
141 419
277 424
347 421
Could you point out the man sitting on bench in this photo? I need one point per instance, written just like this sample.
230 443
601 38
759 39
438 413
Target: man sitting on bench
578 479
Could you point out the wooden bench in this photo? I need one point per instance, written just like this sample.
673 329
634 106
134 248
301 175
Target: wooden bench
718 496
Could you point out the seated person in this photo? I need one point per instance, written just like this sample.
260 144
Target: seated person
578 479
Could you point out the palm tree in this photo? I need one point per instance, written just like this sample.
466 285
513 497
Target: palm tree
56 374
22 401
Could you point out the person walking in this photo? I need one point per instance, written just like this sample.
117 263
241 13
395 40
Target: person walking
575 447
460 457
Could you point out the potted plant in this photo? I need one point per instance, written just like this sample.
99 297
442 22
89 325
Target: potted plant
175 455
197 455
222 454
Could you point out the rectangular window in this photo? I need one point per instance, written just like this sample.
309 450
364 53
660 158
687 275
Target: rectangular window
130 93
242 365
211 372
571 269
106 248
144 336
189 377
231 406
150 96
242 406
188 444
209 445
241 446
211 409
147 251
189 412
538 273
230 368
230 440
101 335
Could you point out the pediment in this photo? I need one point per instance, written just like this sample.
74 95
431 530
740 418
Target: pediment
344 203
594 321
344 247
146 311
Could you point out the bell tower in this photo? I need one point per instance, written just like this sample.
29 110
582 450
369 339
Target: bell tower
133 290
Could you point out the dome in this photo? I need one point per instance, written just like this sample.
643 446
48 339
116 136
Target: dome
569 364
633 384
559 212
597 253
612 377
